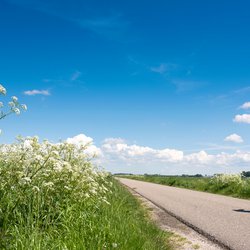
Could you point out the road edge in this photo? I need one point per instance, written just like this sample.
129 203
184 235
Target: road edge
188 224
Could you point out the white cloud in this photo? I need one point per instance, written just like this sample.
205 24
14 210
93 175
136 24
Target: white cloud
37 92
116 155
234 138
163 68
201 158
92 150
122 157
245 118
116 147
171 155
80 139
138 151
114 141
83 140
245 105
239 158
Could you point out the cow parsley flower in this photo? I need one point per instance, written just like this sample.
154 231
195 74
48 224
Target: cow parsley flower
24 107
12 104
36 188
2 90
17 111
114 245
14 98
48 184
26 179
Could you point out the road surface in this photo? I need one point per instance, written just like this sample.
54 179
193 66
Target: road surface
223 218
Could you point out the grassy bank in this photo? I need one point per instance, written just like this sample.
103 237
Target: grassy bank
129 223
52 197
232 185
121 223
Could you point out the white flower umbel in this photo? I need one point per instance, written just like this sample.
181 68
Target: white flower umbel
14 106
17 111
2 90
14 98
24 107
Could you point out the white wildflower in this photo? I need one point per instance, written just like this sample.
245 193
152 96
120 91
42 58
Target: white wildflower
39 158
87 195
114 245
55 153
14 98
24 107
36 188
48 184
58 167
2 90
26 179
27 144
12 104
17 111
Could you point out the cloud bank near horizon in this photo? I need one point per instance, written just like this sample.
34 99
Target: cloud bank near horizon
116 155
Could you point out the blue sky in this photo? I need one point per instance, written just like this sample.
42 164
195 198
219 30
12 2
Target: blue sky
162 74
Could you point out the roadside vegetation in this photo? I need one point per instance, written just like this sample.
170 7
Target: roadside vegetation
236 185
53 197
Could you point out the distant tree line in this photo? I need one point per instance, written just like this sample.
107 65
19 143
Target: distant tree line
245 173
122 174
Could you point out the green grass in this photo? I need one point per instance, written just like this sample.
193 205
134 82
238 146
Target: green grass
231 185
53 198
122 224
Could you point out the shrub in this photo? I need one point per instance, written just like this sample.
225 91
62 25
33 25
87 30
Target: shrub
231 182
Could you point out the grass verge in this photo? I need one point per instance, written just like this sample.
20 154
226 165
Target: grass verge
122 224
226 184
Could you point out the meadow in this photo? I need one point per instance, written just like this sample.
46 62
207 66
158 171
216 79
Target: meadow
234 185
53 197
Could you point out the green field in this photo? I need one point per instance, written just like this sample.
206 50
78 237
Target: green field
226 184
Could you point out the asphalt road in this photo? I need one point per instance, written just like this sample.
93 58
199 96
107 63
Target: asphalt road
224 218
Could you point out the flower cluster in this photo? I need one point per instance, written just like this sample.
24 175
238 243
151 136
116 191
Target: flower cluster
14 106
53 175
2 90
233 181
